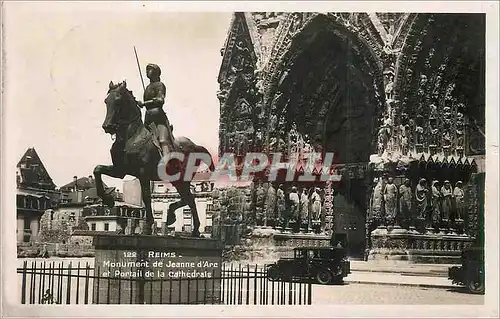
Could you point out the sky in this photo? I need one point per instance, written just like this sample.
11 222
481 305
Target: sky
61 57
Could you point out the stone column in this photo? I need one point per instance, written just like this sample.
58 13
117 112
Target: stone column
34 225
20 229
142 223
329 213
164 229
129 230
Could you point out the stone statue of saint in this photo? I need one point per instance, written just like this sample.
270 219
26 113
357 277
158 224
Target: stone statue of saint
459 195
304 206
447 204
281 202
315 204
436 202
154 97
422 197
433 111
377 200
419 135
271 202
259 203
404 129
389 88
294 203
405 200
391 200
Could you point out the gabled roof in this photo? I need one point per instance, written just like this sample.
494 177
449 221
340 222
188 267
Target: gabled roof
241 25
32 172
83 197
82 183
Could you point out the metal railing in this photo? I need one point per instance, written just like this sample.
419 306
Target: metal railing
60 283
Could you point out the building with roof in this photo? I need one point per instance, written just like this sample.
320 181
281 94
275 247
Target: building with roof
116 219
36 193
58 224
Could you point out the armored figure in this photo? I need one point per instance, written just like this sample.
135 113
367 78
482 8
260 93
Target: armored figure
154 98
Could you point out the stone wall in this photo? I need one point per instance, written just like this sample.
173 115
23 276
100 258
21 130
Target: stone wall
55 250
409 246
266 245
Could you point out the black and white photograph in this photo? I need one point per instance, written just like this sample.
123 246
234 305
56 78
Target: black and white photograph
161 155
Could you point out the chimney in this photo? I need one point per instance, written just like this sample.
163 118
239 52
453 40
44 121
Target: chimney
75 178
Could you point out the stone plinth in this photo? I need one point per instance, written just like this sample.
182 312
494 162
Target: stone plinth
400 245
156 269
266 245
301 240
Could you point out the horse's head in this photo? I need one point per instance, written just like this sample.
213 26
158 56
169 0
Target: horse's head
121 108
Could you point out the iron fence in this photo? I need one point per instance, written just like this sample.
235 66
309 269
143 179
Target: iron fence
57 283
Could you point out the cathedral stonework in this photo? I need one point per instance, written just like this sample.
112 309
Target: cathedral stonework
397 97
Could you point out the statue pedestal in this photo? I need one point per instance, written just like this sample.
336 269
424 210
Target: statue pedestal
405 246
149 269
293 240
266 246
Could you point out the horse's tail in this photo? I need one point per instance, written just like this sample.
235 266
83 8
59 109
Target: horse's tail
202 149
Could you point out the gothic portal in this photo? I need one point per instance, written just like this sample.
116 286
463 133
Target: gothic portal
397 97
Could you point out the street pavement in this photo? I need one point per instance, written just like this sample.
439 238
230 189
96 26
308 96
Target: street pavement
369 294
398 279
428 270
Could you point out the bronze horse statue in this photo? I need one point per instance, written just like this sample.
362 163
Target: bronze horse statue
135 152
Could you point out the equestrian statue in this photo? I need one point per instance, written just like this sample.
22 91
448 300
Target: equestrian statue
139 147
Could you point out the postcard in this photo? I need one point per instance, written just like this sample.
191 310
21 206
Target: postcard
234 159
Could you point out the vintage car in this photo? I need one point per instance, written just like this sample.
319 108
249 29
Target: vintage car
471 273
323 264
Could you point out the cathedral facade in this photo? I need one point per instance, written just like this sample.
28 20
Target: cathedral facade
397 97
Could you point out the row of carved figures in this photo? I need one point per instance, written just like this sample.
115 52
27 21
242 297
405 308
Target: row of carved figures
438 203
304 207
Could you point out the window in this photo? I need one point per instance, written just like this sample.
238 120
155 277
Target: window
106 226
157 213
187 216
27 223
92 226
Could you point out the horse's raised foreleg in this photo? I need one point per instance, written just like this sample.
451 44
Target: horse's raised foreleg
110 171
146 198
184 189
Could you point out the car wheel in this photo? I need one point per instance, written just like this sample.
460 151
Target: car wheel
273 273
323 277
475 284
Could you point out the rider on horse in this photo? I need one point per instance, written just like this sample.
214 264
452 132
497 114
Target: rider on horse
154 97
